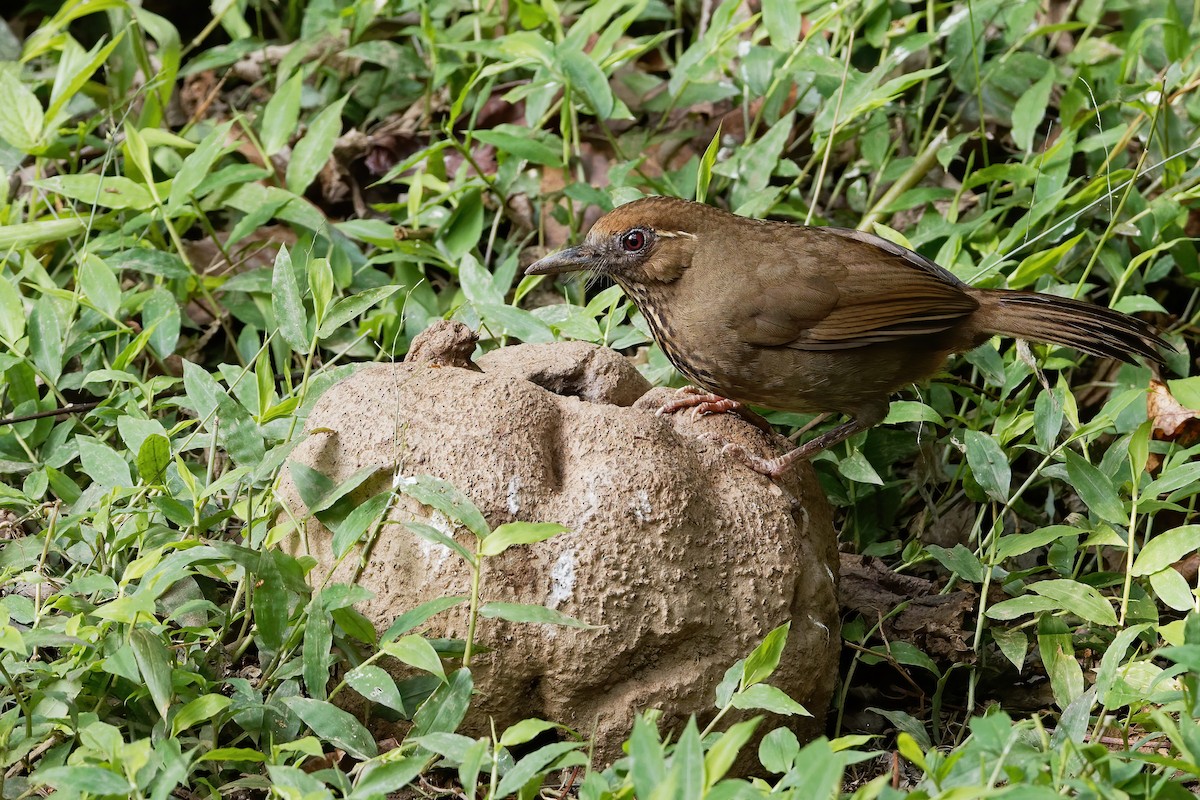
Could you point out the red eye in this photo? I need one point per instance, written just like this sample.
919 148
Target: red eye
633 241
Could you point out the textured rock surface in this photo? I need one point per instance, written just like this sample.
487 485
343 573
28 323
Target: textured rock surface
685 558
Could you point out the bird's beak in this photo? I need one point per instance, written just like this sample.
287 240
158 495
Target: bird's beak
572 259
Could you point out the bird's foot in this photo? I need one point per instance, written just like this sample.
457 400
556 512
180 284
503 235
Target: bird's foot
704 403
774 467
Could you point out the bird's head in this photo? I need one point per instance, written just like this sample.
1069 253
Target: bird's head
649 241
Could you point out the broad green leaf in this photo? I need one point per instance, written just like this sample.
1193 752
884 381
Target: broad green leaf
777 750
153 458
47 328
420 615
105 191
154 664
525 731
288 303
446 707
312 152
515 533
79 779
704 173
103 464
444 497
782 21
417 652
100 285
724 751
989 465
1029 110
768 698
534 764
432 534
1167 548
334 726
1077 598
202 709
537 147
522 612
376 685
588 80
761 663
380 780
1095 489
281 115
347 308
23 119
198 166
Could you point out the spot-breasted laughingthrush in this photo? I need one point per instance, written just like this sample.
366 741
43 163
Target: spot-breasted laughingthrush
813 319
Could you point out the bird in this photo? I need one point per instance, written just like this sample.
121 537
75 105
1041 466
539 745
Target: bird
815 319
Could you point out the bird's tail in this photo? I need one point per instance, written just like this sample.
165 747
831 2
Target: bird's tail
1060 320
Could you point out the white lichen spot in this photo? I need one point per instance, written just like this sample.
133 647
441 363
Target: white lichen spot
818 623
432 553
642 510
829 573
514 503
562 579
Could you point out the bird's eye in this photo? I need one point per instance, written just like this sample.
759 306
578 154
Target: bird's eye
633 241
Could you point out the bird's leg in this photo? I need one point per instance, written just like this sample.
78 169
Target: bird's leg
703 403
774 467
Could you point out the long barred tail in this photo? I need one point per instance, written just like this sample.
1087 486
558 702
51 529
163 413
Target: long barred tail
1084 326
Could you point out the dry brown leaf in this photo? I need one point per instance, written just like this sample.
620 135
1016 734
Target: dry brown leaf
1173 422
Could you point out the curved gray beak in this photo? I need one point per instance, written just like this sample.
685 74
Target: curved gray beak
572 259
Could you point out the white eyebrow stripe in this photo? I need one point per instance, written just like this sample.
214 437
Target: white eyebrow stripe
674 234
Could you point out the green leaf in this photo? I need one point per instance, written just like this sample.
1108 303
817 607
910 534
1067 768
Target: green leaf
281 115
334 726
761 663
513 141
515 533
376 685
522 612
768 698
989 465
79 779
444 497
349 531
105 191
1012 644
197 166
1095 489
959 560
379 780
417 652
418 616
347 308
648 767
288 304
154 665
103 464
587 79
311 153
432 534
704 172
1030 109
911 411
23 119
525 731
536 763
153 458
12 312
444 710
46 334
202 709
160 316
1079 599
100 285
777 750
724 751
782 21
1167 548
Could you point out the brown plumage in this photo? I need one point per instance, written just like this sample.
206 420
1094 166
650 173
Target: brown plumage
814 319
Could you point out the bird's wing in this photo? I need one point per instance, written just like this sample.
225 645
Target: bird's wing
846 289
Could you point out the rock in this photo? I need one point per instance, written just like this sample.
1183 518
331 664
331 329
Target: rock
684 558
